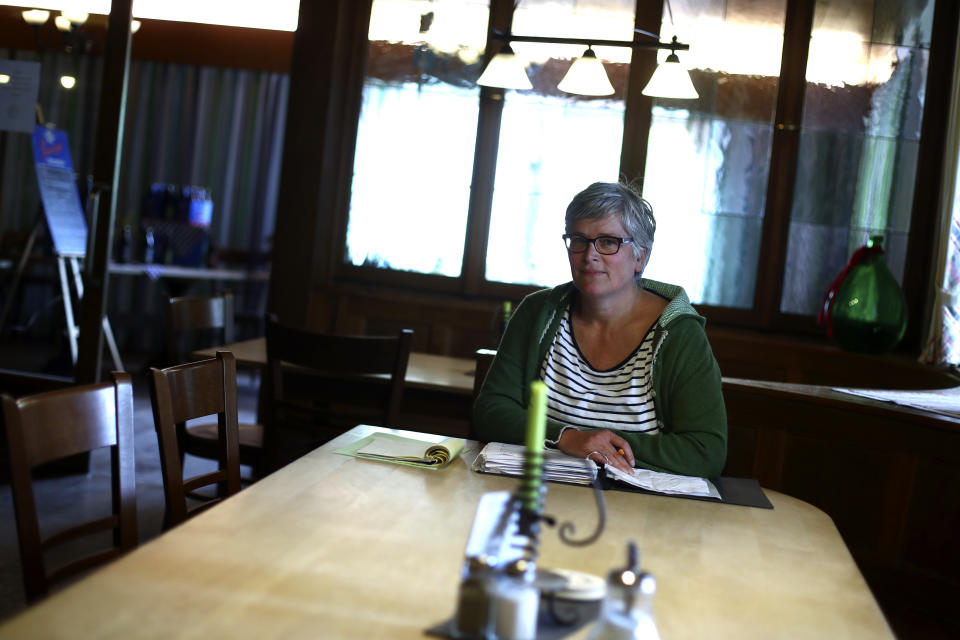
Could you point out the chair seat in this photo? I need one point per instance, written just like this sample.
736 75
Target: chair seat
203 441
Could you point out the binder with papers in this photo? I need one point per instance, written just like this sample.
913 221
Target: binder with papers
507 459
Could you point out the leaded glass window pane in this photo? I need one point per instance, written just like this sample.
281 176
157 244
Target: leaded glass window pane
553 144
708 159
416 136
866 74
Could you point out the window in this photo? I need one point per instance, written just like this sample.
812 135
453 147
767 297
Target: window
859 142
463 190
552 144
708 160
414 153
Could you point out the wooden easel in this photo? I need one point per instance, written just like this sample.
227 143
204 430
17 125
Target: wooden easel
73 331
73 256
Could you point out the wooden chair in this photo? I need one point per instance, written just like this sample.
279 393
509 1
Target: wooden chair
56 424
320 385
22 383
483 358
185 392
186 318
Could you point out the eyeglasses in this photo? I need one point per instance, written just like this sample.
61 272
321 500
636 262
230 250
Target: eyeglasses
605 245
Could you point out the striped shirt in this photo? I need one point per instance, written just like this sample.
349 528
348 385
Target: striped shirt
584 397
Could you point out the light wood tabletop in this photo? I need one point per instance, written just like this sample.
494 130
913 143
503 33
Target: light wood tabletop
155 271
424 371
337 547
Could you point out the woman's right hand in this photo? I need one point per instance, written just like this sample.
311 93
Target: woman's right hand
584 443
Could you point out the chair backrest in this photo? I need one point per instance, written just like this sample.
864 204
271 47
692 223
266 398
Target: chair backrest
22 383
53 425
319 385
189 317
483 358
184 392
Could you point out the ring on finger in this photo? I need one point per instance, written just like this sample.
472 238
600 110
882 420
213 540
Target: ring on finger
606 460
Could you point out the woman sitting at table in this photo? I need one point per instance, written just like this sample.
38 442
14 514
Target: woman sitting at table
631 378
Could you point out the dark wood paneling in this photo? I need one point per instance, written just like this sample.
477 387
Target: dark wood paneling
457 325
742 444
848 482
937 498
442 327
758 356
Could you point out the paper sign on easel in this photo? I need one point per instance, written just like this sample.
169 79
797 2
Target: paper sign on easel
67 224
58 191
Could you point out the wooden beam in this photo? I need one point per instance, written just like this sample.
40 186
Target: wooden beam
326 79
484 160
798 24
919 286
102 205
638 107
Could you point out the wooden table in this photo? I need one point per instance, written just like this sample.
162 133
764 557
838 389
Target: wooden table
331 546
424 371
155 271
437 397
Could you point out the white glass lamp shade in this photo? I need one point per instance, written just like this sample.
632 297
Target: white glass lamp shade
68 82
587 77
35 17
63 23
75 17
671 80
505 71
134 26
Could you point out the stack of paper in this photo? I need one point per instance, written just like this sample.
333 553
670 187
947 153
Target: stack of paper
507 459
936 400
498 457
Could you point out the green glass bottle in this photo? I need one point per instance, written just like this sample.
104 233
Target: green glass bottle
870 311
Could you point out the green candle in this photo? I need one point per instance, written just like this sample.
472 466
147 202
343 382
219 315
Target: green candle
530 487
537 417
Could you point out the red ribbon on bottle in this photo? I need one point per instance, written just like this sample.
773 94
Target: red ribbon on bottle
826 305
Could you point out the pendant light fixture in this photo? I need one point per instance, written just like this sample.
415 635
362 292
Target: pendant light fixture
587 77
671 80
35 17
505 71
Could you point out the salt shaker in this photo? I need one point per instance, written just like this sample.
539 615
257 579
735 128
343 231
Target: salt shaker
516 603
627 612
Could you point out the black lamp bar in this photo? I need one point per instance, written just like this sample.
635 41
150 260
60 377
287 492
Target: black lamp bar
635 44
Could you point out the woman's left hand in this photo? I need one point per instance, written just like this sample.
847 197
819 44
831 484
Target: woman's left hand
613 449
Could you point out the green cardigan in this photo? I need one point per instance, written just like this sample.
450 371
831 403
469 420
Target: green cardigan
686 384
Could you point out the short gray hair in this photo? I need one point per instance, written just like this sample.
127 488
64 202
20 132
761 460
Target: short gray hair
602 199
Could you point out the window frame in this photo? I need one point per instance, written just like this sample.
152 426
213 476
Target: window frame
765 313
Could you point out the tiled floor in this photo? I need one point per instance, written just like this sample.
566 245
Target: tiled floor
72 497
